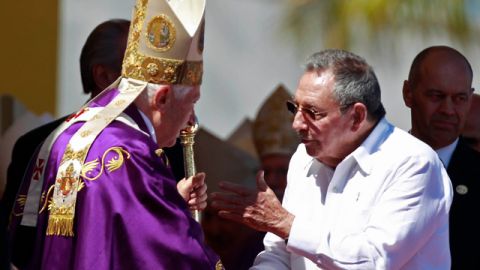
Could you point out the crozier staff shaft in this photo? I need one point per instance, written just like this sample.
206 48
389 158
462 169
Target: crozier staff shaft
187 138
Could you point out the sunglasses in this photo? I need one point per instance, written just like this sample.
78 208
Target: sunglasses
312 114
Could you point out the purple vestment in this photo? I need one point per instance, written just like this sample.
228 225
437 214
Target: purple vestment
128 217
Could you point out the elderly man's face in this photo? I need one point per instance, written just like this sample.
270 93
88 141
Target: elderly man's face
439 100
178 114
324 130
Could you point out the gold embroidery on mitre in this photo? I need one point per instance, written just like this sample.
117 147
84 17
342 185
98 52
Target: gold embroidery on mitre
152 69
160 70
113 164
163 62
161 33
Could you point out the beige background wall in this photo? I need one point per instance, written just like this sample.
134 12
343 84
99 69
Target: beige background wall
28 52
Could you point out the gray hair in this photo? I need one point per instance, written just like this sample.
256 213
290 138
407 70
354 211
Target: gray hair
179 91
355 80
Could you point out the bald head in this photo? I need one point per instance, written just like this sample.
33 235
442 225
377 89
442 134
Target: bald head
438 92
429 57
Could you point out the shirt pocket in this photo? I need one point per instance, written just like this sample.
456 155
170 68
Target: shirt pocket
353 213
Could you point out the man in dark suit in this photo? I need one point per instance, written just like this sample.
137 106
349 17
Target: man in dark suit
439 92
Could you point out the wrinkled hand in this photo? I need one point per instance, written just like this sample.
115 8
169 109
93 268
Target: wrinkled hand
194 191
257 208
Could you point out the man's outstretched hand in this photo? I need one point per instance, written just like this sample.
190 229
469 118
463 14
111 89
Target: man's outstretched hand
257 208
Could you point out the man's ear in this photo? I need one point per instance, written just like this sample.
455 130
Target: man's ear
407 93
359 115
160 98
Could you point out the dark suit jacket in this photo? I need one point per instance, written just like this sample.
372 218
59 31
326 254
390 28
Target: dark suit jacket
464 172
23 150
4 254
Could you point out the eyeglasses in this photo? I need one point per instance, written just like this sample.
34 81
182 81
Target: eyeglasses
312 114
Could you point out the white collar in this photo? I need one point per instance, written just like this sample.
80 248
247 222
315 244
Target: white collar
149 125
363 154
445 153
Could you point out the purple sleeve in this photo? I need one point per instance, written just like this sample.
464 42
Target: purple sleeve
131 217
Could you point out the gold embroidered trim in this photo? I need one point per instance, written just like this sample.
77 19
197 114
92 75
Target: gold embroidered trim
88 167
161 154
81 185
161 33
67 184
46 198
113 164
70 154
21 200
60 221
86 133
120 102
156 70
219 265
15 214
61 224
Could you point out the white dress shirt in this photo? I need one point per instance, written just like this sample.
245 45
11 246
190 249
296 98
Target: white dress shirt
445 153
149 125
385 206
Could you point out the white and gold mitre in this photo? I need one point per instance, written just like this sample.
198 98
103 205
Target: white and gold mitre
165 42
272 128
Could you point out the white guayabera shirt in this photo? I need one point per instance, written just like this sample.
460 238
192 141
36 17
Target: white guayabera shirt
385 206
